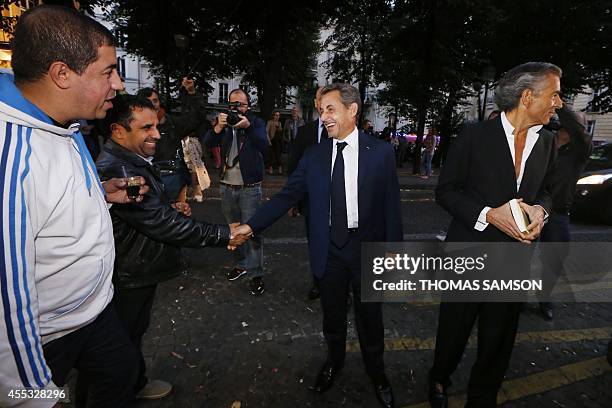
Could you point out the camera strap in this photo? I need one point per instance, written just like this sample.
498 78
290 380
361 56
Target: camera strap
236 147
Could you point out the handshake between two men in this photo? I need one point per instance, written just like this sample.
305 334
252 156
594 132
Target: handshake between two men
239 234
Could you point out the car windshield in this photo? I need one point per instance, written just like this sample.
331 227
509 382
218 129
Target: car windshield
601 158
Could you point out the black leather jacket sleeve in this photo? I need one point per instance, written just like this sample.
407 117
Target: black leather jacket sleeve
162 223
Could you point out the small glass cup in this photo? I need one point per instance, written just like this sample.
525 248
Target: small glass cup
132 185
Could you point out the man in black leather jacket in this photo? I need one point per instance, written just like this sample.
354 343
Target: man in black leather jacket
148 235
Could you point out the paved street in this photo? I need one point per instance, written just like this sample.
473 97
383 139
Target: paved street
221 347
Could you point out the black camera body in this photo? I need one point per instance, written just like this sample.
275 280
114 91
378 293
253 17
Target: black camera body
232 113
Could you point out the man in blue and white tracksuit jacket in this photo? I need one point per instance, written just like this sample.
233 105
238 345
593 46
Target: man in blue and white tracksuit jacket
58 253
56 262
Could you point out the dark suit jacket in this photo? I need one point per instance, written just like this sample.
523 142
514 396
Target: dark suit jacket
252 151
380 217
479 172
307 135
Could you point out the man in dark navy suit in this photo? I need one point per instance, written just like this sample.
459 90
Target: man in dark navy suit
359 203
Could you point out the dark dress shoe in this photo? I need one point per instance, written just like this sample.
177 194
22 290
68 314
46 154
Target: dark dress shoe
325 378
437 398
384 394
546 308
257 286
313 293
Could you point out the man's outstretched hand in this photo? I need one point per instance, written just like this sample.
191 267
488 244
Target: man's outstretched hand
116 192
239 234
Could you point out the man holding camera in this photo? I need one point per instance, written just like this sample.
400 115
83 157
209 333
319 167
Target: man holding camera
243 141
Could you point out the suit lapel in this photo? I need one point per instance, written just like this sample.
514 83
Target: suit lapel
502 151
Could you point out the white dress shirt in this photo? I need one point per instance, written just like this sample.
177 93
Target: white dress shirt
532 138
350 154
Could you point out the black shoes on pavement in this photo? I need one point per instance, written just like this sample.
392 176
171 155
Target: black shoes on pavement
235 274
325 378
329 372
256 285
384 393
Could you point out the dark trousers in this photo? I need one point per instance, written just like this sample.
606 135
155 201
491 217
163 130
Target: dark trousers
134 310
343 271
274 153
497 325
553 256
104 354
315 281
133 307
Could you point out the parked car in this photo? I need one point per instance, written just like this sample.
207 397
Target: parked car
593 197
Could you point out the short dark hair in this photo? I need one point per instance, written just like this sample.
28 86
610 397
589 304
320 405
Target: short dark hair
46 34
123 107
525 76
147 92
348 94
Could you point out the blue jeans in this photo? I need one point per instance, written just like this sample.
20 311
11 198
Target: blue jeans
426 163
238 205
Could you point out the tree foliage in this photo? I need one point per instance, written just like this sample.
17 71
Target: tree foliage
272 47
434 53
359 30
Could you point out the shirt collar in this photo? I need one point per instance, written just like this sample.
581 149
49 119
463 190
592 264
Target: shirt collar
352 139
147 159
509 129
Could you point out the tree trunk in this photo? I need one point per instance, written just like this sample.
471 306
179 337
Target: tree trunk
445 128
364 76
423 104
273 40
421 118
